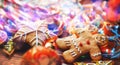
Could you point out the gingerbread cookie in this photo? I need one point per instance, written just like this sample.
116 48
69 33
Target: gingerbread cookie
87 42
34 34
89 29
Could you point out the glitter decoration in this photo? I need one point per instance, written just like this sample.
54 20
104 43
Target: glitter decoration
3 36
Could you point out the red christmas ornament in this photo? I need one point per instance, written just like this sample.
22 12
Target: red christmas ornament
107 48
39 55
112 12
114 3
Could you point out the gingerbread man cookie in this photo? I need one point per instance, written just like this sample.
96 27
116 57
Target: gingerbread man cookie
87 42
89 28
